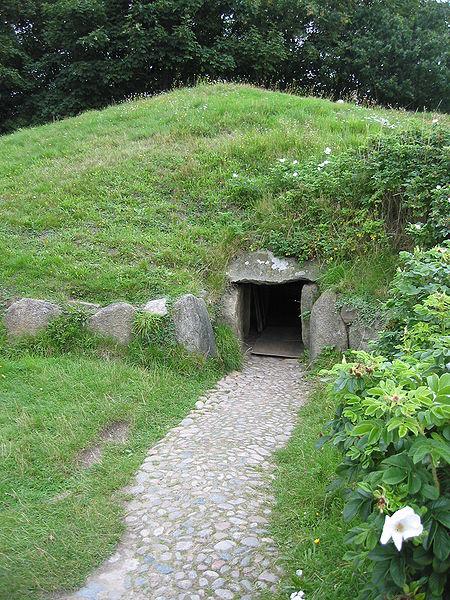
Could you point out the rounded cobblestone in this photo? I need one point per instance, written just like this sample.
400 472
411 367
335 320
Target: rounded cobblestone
196 526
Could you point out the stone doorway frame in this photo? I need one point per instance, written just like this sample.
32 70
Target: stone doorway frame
264 268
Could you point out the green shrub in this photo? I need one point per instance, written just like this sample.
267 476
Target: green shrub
391 192
418 303
393 428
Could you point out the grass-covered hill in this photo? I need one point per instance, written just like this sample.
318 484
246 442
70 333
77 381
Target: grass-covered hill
153 196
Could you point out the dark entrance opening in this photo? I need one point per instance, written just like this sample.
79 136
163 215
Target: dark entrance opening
275 325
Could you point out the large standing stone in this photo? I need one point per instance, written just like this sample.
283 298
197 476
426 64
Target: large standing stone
326 325
28 316
310 293
264 268
114 321
360 334
156 307
235 309
193 328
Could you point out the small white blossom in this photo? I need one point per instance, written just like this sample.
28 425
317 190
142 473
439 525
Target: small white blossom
403 525
299 572
327 150
418 225
282 160
295 162
435 121
295 174
340 101
439 187
235 175
300 595
323 164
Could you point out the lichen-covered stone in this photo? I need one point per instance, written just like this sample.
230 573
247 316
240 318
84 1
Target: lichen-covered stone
156 307
193 329
264 268
114 321
28 316
327 329
310 293
360 334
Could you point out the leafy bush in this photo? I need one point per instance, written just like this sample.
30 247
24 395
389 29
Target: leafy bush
393 428
418 304
392 192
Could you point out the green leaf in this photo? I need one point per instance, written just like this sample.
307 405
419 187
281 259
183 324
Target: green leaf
394 475
397 571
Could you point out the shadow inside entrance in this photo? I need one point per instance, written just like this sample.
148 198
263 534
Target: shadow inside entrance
275 325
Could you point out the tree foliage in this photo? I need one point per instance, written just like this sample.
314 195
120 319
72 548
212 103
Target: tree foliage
58 58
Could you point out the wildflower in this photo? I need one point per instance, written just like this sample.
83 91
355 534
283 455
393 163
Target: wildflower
340 101
235 175
323 164
402 525
439 187
295 162
435 121
282 160
299 573
300 595
295 174
317 541
327 150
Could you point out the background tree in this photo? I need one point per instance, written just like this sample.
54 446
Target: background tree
61 57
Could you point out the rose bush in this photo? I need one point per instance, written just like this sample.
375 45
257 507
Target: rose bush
393 427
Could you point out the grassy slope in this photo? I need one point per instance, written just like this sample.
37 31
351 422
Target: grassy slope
58 520
137 200
305 512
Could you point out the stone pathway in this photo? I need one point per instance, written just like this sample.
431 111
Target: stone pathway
197 523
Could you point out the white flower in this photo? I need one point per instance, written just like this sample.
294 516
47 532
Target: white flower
402 525
299 573
300 595
282 160
323 164
339 101
439 187
435 121
327 150
295 162
295 174
418 225
235 175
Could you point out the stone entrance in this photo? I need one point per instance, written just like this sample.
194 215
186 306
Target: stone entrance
263 302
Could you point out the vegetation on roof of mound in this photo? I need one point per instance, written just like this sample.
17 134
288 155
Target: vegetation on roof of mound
153 196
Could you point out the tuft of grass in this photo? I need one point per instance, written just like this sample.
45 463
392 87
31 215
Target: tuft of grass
58 520
307 520
139 200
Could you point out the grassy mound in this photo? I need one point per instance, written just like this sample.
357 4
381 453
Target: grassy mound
142 198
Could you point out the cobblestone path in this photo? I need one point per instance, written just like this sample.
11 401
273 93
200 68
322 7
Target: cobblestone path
197 523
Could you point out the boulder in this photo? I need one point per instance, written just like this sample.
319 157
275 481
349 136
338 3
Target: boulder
326 325
360 334
114 321
235 309
28 316
349 314
310 293
264 268
156 307
193 329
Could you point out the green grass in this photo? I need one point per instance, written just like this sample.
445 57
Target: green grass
139 199
306 512
59 520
